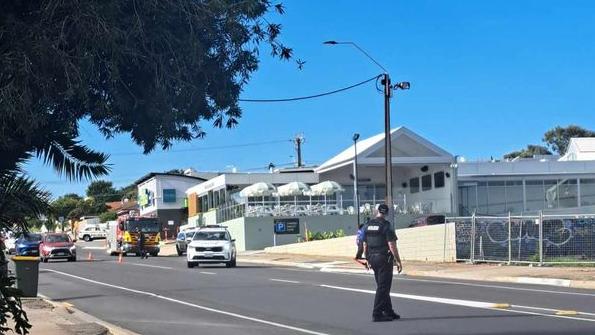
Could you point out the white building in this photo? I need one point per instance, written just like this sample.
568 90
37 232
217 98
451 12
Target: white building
163 195
423 173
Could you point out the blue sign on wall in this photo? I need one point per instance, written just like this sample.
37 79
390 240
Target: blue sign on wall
287 226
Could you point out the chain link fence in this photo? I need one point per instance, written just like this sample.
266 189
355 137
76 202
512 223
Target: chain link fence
536 239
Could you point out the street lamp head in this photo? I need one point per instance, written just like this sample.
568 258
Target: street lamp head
404 85
330 42
355 137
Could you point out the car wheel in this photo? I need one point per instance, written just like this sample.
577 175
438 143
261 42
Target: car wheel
192 264
154 254
87 238
45 259
233 263
180 252
72 259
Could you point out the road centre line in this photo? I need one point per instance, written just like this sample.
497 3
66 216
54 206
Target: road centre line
464 303
208 273
400 277
209 309
285 281
497 286
151 266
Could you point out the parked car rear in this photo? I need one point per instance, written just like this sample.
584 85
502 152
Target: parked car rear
182 241
57 246
28 244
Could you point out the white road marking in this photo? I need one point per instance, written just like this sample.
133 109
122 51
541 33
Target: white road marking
208 273
209 309
285 281
498 286
465 303
94 248
151 266
453 282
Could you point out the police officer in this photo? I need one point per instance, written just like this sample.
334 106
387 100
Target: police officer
381 250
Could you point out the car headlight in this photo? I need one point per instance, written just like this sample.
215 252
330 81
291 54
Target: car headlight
226 247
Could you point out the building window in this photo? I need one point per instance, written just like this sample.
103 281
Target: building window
514 196
587 192
426 182
551 193
496 197
414 185
439 179
568 193
535 195
169 195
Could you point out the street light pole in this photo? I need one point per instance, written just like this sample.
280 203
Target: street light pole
355 180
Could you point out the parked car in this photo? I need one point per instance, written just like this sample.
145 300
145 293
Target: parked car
211 245
182 241
10 244
91 233
28 244
57 246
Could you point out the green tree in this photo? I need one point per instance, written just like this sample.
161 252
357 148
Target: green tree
65 205
107 216
558 138
102 191
528 152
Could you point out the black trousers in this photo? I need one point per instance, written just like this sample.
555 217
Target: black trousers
383 274
360 250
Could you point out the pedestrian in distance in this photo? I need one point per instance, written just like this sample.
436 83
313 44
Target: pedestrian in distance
359 241
141 243
380 248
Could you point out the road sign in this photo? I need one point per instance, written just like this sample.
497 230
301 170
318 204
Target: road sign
170 222
287 226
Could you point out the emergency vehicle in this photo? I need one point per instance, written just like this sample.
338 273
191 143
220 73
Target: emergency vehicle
122 236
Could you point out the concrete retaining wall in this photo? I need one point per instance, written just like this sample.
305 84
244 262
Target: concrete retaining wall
431 244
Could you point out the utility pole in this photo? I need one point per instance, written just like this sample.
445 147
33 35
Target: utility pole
388 162
299 140
388 87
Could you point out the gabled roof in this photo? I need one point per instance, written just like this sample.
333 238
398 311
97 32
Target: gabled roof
154 174
580 148
406 146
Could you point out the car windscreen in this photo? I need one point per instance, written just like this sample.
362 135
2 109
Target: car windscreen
32 237
210 236
189 235
57 238
146 226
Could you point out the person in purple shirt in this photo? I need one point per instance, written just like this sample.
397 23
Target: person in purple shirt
359 241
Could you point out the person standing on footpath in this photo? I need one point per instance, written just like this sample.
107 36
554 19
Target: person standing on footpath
381 249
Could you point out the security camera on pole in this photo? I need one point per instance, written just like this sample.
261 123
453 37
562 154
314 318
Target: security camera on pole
388 87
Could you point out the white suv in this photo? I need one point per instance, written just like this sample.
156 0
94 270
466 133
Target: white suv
212 244
90 233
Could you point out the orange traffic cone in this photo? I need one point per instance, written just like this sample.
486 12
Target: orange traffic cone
90 256
120 258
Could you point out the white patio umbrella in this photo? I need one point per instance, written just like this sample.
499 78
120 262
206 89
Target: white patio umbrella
326 188
293 189
258 190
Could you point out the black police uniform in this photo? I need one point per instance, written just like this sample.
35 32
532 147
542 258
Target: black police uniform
377 235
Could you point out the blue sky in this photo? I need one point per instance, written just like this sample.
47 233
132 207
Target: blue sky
487 78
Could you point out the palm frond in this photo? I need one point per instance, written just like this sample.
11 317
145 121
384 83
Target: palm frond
20 197
72 159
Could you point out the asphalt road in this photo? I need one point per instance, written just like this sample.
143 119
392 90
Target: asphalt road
161 296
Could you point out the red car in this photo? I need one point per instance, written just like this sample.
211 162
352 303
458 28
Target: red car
57 246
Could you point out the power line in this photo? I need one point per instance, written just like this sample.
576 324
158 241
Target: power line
312 96
205 148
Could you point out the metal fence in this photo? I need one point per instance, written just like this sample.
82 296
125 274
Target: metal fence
535 239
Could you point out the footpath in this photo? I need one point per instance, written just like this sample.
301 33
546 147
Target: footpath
54 318
574 277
